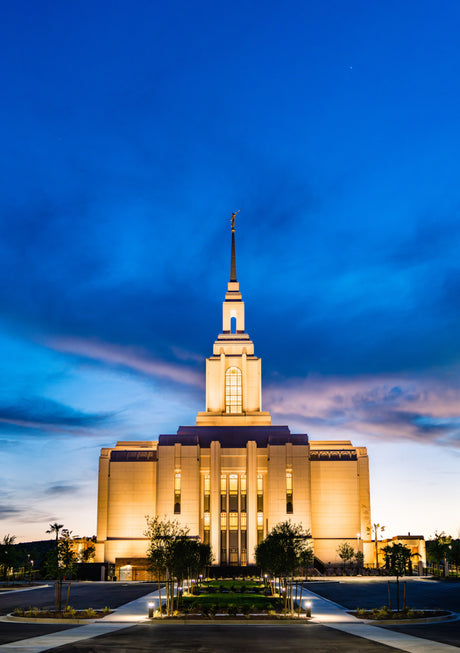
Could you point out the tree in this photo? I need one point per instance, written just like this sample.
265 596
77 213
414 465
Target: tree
359 557
285 549
375 530
397 558
439 548
454 553
346 552
172 553
60 565
7 555
55 528
87 554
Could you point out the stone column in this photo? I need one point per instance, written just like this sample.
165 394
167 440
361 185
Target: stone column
251 488
215 501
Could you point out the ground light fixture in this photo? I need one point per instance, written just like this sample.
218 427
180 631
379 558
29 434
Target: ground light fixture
151 605
308 608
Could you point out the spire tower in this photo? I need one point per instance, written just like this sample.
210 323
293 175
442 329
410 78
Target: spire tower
233 372
233 259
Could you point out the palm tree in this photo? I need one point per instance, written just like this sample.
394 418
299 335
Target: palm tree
55 528
375 529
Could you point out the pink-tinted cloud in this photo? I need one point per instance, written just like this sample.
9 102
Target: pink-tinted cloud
390 407
128 358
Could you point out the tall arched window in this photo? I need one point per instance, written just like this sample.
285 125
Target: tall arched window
233 391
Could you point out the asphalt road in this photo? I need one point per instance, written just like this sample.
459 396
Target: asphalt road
82 595
429 594
227 639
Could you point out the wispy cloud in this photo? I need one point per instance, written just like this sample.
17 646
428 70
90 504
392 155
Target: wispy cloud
45 414
391 408
130 359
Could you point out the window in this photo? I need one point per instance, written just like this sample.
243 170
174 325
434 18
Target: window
207 493
243 493
233 391
177 493
223 493
233 493
260 493
233 521
289 504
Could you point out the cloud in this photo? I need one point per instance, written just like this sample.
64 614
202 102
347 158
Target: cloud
8 511
418 409
45 414
60 489
129 359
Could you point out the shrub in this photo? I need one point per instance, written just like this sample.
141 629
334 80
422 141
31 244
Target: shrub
69 612
106 610
90 613
213 608
232 609
18 612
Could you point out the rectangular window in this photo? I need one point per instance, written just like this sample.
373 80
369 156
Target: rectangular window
223 521
223 493
233 521
207 493
223 547
243 493
207 528
177 493
233 493
260 520
243 520
289 502
260 493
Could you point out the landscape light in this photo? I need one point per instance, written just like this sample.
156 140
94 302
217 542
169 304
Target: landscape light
151 605
308 608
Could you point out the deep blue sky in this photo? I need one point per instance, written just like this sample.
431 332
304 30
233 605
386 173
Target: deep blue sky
130 132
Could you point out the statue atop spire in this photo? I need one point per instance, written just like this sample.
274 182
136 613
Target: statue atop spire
233 219
233 261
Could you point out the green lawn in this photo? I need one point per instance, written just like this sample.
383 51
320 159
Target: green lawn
241 595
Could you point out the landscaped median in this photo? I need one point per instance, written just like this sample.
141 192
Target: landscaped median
384 615
232 599
69 615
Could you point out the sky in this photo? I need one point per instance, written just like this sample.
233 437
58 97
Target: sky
130 132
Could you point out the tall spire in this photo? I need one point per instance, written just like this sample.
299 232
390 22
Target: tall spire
233 260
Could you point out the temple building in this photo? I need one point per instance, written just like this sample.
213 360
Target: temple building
234 475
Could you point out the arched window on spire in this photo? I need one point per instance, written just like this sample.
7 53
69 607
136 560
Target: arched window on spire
233 391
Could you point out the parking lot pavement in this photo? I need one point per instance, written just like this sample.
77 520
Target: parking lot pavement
373 593
421 593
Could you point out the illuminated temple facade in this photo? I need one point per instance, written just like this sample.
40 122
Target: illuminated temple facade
234 475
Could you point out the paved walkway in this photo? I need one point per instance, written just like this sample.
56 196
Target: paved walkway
324 612
331 614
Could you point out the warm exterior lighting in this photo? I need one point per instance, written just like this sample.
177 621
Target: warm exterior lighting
308 608
151 605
